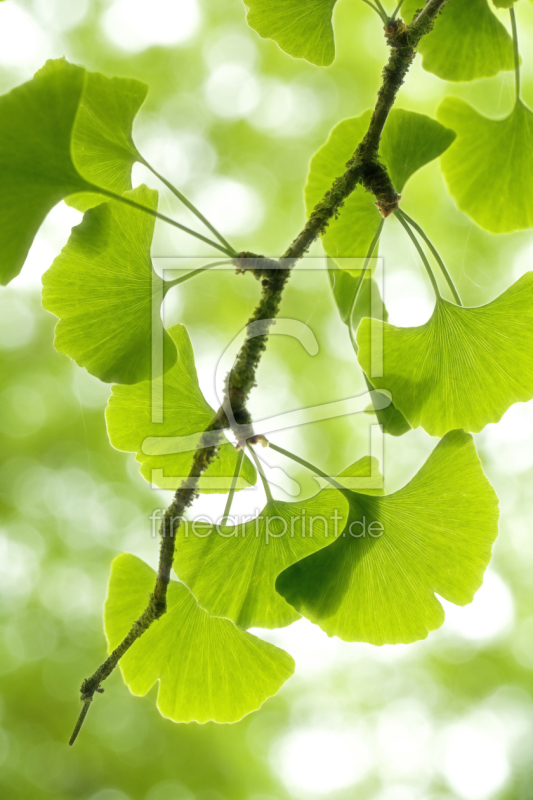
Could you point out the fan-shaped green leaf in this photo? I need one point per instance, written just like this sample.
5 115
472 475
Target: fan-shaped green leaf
468 41
102 145
184 412
106 294
464 367
232 570
301 28
377 583
410 141
207 668
368 304
489 168
47 148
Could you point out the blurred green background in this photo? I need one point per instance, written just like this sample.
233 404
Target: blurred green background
233 121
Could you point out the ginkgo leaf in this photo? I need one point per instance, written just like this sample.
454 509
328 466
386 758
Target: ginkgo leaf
208 669
377 583
38 162
467 43
461 369
368 304
409 141
301 28
106 294
102 145
489 168
232 570
149 418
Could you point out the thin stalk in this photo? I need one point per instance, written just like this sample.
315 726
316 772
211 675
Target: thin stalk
360 280
438 259
162 217
187 203
516 52
308 465
262 475
376 9
383 13
231 494
397 10
194 273
421 253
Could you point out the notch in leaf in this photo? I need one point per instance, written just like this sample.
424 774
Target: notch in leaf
208 669
231 570
301 28
60 133
107 296
468 41
184 412
409 142
463 368
378 582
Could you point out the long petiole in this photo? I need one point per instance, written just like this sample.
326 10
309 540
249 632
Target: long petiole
157 215
360 280
262 475
421 253
234 482
308 465
397 10
194 273
187 203
376 9
437 257
516 52
382 11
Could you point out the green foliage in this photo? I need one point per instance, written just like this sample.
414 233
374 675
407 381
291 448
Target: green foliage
302 29
232 570
410 141
207 668
51 129
436 537
106 294
489 168
464 367
177 401
468 41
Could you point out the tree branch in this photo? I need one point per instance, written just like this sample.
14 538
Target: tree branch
365 168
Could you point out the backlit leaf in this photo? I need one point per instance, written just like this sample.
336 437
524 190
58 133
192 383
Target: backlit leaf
464 367
301 28
207 668
46 148
489 168
410 141
182 411
106 294
377 583
232 570
468 41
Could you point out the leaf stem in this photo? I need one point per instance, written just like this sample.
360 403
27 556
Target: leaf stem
420 253
164 218
260 470
194 273
308 465
396 10
360 280
516 52
382 11
187 203
231 494
376 9
437 257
